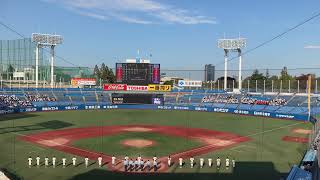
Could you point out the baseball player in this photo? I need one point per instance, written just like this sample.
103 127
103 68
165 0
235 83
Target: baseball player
201 162
46 161
169 161
218 162
125 163
148 164
191 162
100 161
126 158
54 161
30 161
155 166
38 161
141 164
130 164
136 165
233 163
154 158
180 162
113 160
64 162
210 162
86 161
227 162
139 158
74 159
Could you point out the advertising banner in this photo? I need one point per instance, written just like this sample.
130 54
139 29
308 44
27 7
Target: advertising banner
114 87
83 81
157 87
186 83
137 88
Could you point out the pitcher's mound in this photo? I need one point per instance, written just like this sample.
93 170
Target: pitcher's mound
138 143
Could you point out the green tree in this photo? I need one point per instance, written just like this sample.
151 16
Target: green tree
104 72
10 71
96 72
168 82
111 76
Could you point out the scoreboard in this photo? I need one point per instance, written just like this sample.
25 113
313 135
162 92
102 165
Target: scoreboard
137 73
156 99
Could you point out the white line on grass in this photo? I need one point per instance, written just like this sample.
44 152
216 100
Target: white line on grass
58 144
250 135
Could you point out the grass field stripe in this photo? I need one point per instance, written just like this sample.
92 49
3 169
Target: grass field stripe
58 144
263 132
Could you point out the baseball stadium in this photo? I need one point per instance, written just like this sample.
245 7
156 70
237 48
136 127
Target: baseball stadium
136 119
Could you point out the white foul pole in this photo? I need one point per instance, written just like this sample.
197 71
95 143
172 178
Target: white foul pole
240 69
37 65
225 68
52 64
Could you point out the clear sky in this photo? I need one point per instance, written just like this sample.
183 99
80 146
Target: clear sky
178 33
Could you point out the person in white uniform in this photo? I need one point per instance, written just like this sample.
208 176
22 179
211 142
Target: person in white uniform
46 161
201 162
218 162
74 159
210 162
180 162
100 161
169 161
233 163
86 161
227 163
54 161
113 160
38 161
64 162
29 161
191 162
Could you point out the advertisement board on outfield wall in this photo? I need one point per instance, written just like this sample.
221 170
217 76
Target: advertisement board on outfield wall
187 83
301 117
83 82
114 87
137 88
157 87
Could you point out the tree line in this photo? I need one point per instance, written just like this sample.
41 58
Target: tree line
104 73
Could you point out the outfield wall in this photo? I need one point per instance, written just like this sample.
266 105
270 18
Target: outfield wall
299 117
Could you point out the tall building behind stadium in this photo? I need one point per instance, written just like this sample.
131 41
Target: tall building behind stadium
209 72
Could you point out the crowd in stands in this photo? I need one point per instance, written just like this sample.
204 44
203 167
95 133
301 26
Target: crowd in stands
12 101
39 98
316 142
230 99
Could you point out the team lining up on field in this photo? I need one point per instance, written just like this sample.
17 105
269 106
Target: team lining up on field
137 164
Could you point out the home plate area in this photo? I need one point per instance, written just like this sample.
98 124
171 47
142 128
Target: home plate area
61 140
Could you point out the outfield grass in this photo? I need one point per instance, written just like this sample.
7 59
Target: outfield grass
265 156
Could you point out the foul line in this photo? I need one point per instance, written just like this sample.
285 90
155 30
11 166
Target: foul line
58 144
250 135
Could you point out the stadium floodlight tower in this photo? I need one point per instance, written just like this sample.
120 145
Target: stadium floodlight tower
232 45
45 40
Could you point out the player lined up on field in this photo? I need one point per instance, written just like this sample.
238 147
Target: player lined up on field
130 164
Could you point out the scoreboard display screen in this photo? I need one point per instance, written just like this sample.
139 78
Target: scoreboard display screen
137 73
156 99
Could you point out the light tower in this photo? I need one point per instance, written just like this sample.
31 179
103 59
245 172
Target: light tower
232 45
45 40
